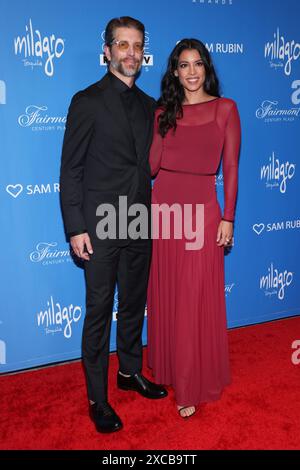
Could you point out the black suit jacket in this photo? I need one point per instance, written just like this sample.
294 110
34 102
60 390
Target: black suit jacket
101 160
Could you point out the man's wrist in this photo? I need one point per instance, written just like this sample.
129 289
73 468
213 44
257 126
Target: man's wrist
77 232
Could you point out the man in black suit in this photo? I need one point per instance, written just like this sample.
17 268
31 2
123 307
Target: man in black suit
105 156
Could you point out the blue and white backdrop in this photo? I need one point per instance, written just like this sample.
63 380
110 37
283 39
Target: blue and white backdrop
49 52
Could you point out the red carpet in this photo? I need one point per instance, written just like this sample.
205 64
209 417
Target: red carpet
47 408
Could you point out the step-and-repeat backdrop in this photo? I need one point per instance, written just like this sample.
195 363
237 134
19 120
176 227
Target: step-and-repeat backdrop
50 51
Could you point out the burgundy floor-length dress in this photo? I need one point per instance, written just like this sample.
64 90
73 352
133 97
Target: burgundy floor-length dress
187 331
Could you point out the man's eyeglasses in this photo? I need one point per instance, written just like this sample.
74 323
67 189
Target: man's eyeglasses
124 45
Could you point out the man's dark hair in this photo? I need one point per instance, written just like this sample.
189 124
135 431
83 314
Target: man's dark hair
122 22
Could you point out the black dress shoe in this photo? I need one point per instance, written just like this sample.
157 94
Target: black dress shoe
143 386
105 418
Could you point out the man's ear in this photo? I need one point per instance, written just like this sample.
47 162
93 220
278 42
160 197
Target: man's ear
107 52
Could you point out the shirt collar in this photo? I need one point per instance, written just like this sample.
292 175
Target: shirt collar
119 85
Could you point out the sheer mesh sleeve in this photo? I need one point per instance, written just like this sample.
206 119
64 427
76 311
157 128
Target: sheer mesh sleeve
156 147
230 162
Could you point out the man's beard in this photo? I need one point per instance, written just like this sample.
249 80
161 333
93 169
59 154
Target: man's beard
123 70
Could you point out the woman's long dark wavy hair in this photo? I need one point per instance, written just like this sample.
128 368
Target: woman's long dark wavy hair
172 92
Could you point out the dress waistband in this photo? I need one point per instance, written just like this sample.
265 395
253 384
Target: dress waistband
188 172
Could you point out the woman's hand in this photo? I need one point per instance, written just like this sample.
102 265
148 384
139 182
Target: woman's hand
225 233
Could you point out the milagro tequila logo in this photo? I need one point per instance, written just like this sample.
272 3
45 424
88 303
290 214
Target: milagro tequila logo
282 53
37 118
275 282
270 112
277 174
37 49
58 318
47 253
147 59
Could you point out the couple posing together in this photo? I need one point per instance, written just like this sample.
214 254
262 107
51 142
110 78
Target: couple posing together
116 139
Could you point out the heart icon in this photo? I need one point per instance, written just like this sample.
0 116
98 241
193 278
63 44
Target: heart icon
14 189
258 228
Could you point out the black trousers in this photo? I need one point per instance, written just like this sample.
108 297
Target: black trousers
128 266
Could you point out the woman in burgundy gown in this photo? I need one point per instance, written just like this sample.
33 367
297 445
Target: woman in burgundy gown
194 128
